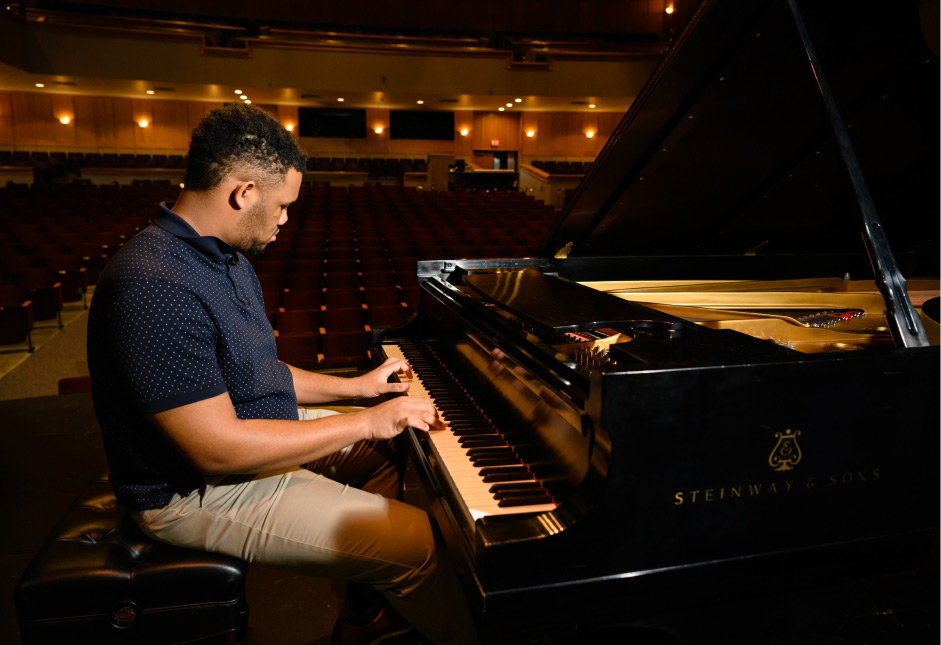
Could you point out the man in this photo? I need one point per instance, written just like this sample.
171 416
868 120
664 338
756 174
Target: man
200 420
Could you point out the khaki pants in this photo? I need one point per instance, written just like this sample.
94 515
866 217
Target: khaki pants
311 523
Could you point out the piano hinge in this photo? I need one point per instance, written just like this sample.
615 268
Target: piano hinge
563 252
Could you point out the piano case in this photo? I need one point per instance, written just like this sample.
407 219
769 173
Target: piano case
716 386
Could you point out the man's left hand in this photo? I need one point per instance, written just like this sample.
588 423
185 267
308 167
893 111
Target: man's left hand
376 382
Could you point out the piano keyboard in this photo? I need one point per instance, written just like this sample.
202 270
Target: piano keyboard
488 475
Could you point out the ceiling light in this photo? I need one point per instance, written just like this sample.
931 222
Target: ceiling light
518 100
151 92
65 120
509 105
238 91
591 106
340 100
420 102
248 102
501 109
244 97
40 85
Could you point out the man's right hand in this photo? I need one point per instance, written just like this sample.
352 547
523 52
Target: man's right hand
390 418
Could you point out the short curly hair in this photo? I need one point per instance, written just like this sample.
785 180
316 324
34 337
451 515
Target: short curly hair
239 138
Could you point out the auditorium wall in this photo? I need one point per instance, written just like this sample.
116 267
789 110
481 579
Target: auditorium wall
30 121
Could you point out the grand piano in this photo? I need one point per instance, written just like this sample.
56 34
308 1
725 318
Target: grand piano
709 407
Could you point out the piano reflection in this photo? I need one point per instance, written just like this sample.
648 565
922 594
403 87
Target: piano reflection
711 404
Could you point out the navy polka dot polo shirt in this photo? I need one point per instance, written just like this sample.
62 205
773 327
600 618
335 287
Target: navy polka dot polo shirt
176 318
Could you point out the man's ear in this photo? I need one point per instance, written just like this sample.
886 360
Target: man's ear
243 194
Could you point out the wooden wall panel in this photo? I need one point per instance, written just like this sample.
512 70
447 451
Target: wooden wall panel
142 110
377 143
6 119
287 115
482 160
412 147
109 131
33 116
86 112
171 125
63 106
503 127
463 145
123 126
28 120
329 147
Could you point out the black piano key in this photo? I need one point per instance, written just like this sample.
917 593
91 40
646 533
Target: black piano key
493 474
472 430
524 499
452 417
456 406
490 451
481 442
501 490
481 462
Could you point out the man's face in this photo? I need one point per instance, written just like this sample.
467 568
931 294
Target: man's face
259 225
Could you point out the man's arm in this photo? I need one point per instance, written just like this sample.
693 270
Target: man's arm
215 441
311 387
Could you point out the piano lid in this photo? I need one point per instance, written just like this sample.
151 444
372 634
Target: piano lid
728 150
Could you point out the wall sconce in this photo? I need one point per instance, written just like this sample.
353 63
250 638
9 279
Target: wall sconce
289 127
464 132
589 133
378 129
530 133
65 120
669 8
143 123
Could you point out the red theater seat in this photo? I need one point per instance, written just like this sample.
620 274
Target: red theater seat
300 350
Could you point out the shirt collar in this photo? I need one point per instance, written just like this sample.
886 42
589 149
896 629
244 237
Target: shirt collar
210 246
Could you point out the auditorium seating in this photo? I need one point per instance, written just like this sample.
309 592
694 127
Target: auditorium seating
562 167
344 264
16 316
78 160
375 168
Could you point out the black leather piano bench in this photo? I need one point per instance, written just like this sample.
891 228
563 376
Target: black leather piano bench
99 579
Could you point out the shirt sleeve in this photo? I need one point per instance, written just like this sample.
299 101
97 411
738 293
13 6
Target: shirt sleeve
165 345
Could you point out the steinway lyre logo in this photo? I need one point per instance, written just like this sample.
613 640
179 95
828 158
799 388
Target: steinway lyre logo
786 453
